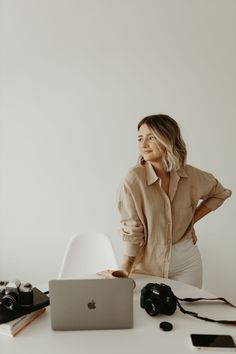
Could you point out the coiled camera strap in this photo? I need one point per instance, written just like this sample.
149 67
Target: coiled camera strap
194 314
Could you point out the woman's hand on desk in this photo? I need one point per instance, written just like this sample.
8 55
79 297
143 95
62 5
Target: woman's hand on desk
109 273
127 264
113 274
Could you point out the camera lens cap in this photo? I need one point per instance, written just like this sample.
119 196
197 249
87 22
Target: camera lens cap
166 326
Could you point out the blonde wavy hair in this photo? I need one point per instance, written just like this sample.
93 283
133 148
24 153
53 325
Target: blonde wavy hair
167 132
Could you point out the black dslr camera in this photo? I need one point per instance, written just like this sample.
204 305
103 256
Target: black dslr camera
14 294
158 298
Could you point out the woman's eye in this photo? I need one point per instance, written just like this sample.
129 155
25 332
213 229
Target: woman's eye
139 139
152 138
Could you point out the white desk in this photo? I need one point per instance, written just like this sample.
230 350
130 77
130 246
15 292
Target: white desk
146 336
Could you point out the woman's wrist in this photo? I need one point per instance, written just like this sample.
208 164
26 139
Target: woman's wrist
127 263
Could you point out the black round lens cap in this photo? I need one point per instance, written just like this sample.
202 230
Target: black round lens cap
166 326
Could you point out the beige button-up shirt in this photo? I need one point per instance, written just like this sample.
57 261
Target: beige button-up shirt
152 221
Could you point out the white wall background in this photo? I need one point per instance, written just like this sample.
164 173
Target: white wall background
76 77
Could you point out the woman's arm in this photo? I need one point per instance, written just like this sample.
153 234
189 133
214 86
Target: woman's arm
200 212
127 263
132 233
132 230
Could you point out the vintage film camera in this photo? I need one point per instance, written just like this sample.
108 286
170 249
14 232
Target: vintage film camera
15 294
158 298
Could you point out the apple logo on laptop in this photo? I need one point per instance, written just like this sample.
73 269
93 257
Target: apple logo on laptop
92 305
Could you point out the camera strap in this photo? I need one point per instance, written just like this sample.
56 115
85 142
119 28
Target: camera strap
194 314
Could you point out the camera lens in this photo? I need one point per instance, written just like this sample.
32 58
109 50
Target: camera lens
9 301
150 307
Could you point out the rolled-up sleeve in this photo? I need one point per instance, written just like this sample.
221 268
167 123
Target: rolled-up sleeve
215 193
132 230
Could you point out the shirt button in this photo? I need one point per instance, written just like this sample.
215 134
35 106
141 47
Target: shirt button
168 241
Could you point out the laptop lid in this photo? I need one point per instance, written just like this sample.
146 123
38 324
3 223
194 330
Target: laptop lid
91 304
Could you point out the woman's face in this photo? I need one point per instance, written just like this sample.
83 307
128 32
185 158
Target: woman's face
149 147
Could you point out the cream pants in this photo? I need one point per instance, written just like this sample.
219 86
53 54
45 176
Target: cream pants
186 263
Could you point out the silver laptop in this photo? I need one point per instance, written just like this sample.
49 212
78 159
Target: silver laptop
91 304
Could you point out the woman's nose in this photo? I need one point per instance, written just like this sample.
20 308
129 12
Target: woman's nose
144 143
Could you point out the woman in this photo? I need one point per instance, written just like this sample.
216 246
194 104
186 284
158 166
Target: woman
160 200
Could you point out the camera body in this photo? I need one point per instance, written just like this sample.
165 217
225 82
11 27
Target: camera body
15 294
158 298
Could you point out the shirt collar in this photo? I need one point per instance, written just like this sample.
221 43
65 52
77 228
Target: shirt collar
151 174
